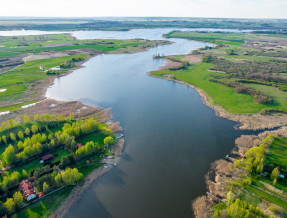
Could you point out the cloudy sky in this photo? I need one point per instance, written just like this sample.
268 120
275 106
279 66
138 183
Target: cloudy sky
169 8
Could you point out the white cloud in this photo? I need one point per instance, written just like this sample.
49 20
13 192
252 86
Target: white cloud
171 8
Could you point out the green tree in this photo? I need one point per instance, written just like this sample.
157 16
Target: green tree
20 135
34 129
207 58
18 199
8 155
10 205
24 174
36 117
26 119
4 139
275 175
45 187
27 131
109 140
12 136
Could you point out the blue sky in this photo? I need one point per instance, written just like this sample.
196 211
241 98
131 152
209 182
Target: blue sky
169 8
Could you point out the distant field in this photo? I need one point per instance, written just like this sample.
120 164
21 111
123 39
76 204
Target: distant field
224 38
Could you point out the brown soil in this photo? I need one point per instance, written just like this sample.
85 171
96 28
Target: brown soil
169 65
56 54
192 58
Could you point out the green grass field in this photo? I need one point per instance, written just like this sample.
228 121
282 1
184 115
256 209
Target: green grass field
278 151
222 95
95 137
223 38
266 196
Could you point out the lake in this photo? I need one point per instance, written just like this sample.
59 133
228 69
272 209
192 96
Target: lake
171 137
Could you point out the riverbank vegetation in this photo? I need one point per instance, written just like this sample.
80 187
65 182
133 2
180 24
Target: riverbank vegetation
257 186
43 155
243 73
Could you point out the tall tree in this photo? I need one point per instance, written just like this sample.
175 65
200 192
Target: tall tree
275 175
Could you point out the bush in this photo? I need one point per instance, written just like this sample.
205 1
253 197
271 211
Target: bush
207 58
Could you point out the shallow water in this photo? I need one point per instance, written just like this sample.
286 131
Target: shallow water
171 137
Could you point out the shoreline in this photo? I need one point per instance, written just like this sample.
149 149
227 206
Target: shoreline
219 169
80 189
247 121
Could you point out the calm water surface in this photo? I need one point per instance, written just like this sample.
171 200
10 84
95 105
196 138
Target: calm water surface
171 137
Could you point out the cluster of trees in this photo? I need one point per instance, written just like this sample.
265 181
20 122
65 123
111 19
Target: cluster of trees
250 69
83 127
70 64
254 157
12 137
9 124
68 177
12 204
275 53
207 58
39 143
87 149
11 180
240 208
53 72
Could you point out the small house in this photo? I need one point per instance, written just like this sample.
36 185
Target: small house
47 157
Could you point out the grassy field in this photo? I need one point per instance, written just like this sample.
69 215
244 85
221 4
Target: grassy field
19 78
223 38
222 95
240 62
18 45
278 151
95 137
268 197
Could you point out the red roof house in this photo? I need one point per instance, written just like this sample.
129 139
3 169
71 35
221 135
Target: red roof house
27 190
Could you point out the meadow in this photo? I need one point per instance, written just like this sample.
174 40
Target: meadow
241 74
